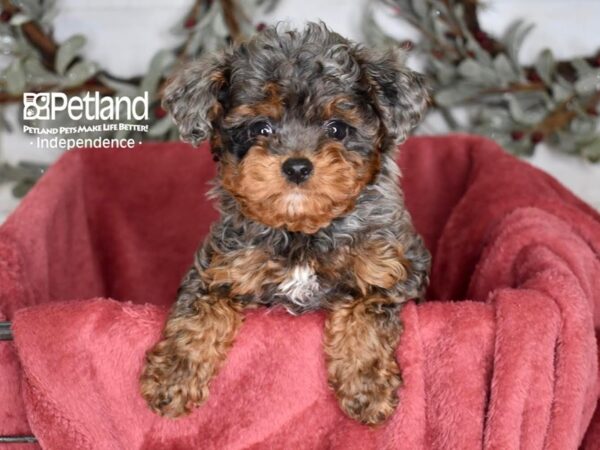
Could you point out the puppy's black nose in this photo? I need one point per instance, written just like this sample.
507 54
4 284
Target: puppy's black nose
297 170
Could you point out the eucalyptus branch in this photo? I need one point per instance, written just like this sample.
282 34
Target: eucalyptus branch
550 100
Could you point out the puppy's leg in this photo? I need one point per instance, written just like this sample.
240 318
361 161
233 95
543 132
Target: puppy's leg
360 342
199 332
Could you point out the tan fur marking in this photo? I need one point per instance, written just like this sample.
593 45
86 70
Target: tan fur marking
265 195
178 368
245 271
371 263
360 345
342 108
271 106
379 263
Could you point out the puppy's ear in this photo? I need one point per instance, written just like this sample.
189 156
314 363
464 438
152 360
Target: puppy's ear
194 96
399 95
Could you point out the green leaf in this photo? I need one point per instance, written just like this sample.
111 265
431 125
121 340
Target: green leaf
22 187
544 66
514 37
481 55
4 123
161 127
67 52
495 117
14 76
79 73
420 8
561 92
565 141
445 73
454 95
122 134
459 12
373 33
521 111
588 83
505 70
441 29
475 71
31 8
8 44
582 67
158 64
523 148
591 151
49 14
37 74
582 126
19 19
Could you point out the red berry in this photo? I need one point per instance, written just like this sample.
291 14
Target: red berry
159 112
5 16
537 136
487 44
591 110
596 61
533 76
437 54
190 22
480 35
471 54
517 135
261 26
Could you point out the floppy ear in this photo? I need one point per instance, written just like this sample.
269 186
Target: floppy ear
194 96
399 94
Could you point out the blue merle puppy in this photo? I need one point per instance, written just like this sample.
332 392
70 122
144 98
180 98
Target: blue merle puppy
304 127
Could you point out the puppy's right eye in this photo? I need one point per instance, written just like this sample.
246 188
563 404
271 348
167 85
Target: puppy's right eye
336 129
262 128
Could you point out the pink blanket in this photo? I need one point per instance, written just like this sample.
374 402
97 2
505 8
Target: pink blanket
513 365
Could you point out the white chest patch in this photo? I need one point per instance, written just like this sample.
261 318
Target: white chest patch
301 287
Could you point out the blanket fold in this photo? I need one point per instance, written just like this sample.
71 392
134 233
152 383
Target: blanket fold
503 356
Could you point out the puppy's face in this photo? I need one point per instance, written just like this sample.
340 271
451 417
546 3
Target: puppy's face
296 152
299 121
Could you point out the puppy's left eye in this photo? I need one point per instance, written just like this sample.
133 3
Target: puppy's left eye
261 128
336 129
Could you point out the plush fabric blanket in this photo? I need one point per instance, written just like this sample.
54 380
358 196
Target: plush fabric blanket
503 356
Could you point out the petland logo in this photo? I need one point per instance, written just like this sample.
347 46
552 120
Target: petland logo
98 122
45 106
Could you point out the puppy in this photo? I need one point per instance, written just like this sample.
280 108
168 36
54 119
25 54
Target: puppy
304 128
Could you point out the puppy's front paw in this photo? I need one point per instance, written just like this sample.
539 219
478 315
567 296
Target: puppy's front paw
179 368
367 394
360 343
170 384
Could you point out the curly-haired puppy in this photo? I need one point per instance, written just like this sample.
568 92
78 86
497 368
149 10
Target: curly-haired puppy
304 126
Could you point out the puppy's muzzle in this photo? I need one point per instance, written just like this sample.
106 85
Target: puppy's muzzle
297 170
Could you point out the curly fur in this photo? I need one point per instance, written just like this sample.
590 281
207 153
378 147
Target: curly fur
341 241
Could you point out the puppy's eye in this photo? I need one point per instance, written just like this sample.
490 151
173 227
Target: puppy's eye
261 128
336 129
